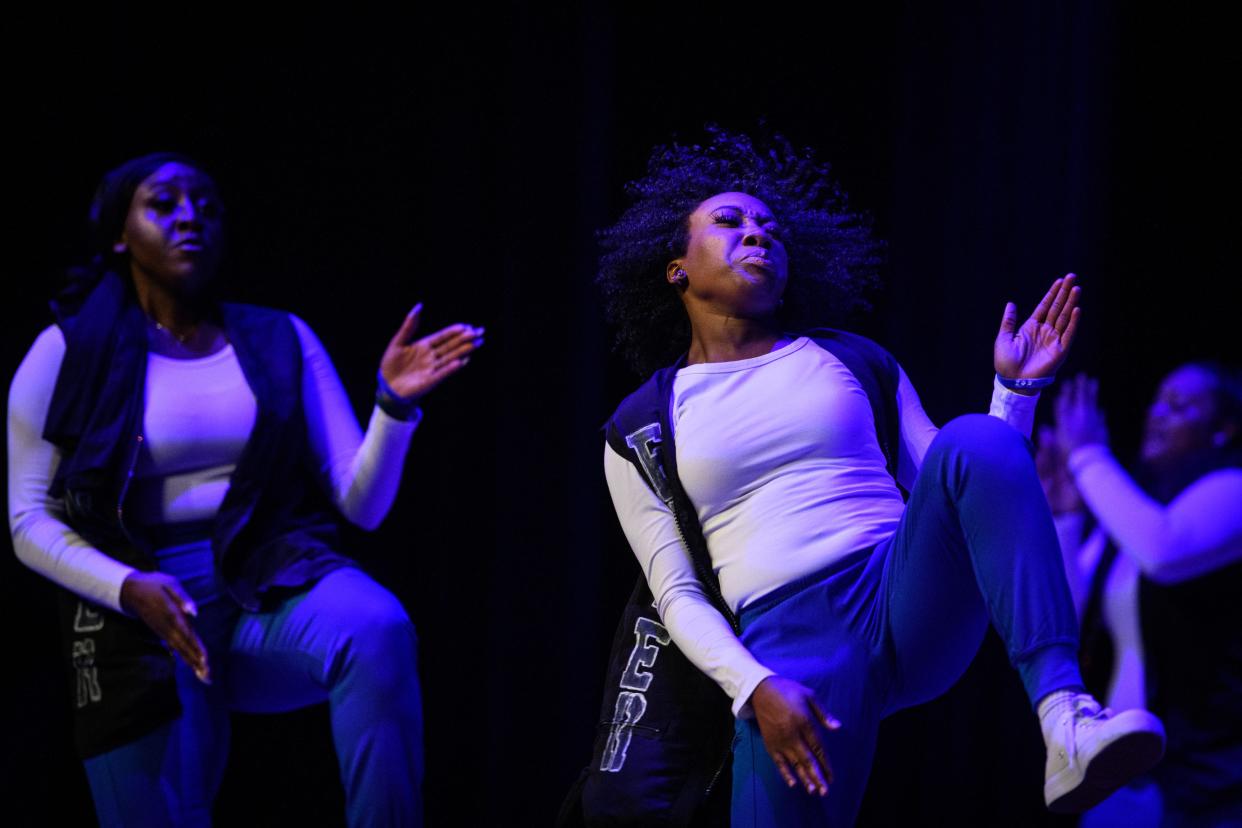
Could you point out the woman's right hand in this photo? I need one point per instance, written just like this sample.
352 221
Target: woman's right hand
790 719
1080 420
163 605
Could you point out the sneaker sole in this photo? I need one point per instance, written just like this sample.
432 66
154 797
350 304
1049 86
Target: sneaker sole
1116 764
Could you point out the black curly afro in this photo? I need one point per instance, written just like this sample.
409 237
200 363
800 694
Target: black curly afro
832 254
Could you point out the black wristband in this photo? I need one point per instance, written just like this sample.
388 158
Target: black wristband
1028 384
392 403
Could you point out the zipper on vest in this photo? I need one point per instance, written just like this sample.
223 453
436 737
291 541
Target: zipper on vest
732 619
707 792
712 585
129 475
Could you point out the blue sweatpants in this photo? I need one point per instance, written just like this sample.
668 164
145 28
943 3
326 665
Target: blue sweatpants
346 640
892 627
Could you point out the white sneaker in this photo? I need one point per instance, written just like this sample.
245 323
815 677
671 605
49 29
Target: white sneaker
1093 752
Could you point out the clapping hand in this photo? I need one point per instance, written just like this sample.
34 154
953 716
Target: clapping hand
412 367
1040 345
1080 421
1054 476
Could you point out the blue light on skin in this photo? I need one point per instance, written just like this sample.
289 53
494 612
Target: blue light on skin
731 278
1183 419
174 236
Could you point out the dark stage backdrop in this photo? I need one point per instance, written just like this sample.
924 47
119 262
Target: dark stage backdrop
463 157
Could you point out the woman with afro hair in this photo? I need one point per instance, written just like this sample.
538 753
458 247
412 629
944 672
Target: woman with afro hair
830 601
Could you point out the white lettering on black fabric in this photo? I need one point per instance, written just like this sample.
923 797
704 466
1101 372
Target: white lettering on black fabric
650 635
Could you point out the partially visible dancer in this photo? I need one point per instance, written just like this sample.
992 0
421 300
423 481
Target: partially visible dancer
826 602
1155 564
180 466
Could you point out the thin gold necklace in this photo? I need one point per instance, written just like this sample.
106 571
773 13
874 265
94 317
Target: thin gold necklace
181 340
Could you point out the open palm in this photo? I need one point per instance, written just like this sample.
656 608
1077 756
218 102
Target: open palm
1040 345
412 367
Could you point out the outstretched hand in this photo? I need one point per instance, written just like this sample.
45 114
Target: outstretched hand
412 367
1040 345
791 720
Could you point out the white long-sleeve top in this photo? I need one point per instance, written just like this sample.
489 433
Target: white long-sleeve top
780 458
1199 531
197 417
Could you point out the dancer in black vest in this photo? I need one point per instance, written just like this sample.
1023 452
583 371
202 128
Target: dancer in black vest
849 604
1157 580
180 466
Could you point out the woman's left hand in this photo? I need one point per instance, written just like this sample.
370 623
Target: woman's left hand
1038 348
412 367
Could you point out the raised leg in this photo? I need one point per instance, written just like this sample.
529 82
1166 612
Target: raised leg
977 542
348 640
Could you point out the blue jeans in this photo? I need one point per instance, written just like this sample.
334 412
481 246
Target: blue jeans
886 629
346 640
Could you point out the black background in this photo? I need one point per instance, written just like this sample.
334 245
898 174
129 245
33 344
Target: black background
463 156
